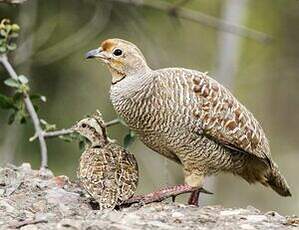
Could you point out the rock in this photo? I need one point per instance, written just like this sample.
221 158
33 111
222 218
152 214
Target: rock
31 199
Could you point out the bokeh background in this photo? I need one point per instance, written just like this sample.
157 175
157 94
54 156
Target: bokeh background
262 73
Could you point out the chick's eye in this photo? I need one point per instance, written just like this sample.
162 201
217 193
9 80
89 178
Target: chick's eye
117 52
83 125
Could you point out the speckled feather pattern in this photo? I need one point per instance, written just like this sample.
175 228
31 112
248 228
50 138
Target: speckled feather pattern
192 119
109 174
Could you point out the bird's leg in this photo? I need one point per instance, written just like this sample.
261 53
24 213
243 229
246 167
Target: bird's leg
165 193
162 194
193 199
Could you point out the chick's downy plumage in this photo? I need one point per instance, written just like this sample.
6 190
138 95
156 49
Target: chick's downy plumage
188 117
107 171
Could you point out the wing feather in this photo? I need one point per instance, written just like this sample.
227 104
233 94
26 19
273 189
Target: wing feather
222 117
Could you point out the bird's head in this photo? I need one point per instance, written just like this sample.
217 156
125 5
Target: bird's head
123 58
92 128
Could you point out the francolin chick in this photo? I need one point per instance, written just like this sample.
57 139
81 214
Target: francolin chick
108 172
188 117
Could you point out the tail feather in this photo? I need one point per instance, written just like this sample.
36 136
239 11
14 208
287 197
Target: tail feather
256 170
277 182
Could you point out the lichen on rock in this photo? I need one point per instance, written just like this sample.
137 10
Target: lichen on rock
31 199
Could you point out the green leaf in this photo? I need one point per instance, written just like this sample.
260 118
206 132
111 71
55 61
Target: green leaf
129 139
12 83
15 27
47 126
6 102
36 108
12 46
3 33
21 116
8 27
18 97
2 49
23 79
24 88
34 97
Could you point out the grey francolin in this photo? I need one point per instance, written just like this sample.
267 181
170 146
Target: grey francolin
188 117
107 171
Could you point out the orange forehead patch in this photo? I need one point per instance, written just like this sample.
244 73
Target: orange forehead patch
108 45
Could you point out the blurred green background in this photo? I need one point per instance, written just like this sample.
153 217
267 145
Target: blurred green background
263 75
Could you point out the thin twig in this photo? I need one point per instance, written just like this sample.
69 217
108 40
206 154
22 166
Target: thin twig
64 132
56 133
27 222
113 122
31 111
201 18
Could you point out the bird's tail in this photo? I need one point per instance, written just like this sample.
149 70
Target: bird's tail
277 182
267 174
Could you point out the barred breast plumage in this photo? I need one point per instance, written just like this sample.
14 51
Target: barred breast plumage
107 171
190 118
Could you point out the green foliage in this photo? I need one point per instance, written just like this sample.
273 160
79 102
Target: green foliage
16 102
8 32
17 106
47 127
12 83
5 102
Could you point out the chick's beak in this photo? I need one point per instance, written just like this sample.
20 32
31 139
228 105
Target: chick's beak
96 53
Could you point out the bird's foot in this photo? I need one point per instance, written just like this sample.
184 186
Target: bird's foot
193 199
165 193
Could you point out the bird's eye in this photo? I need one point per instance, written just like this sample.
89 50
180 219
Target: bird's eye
83 125
117 52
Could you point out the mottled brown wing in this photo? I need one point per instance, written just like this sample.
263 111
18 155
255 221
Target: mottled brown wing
224 119
97 174
127 172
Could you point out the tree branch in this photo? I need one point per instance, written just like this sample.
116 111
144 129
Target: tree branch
13 1
31 111
113 122
201 18
58 133
63 132
39 132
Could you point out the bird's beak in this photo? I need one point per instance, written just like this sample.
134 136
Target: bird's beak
96 53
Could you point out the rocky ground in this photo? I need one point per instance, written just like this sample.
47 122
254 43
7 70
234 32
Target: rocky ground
31 199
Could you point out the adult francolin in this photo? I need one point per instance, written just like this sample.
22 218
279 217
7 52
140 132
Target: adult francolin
188 117
107 171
